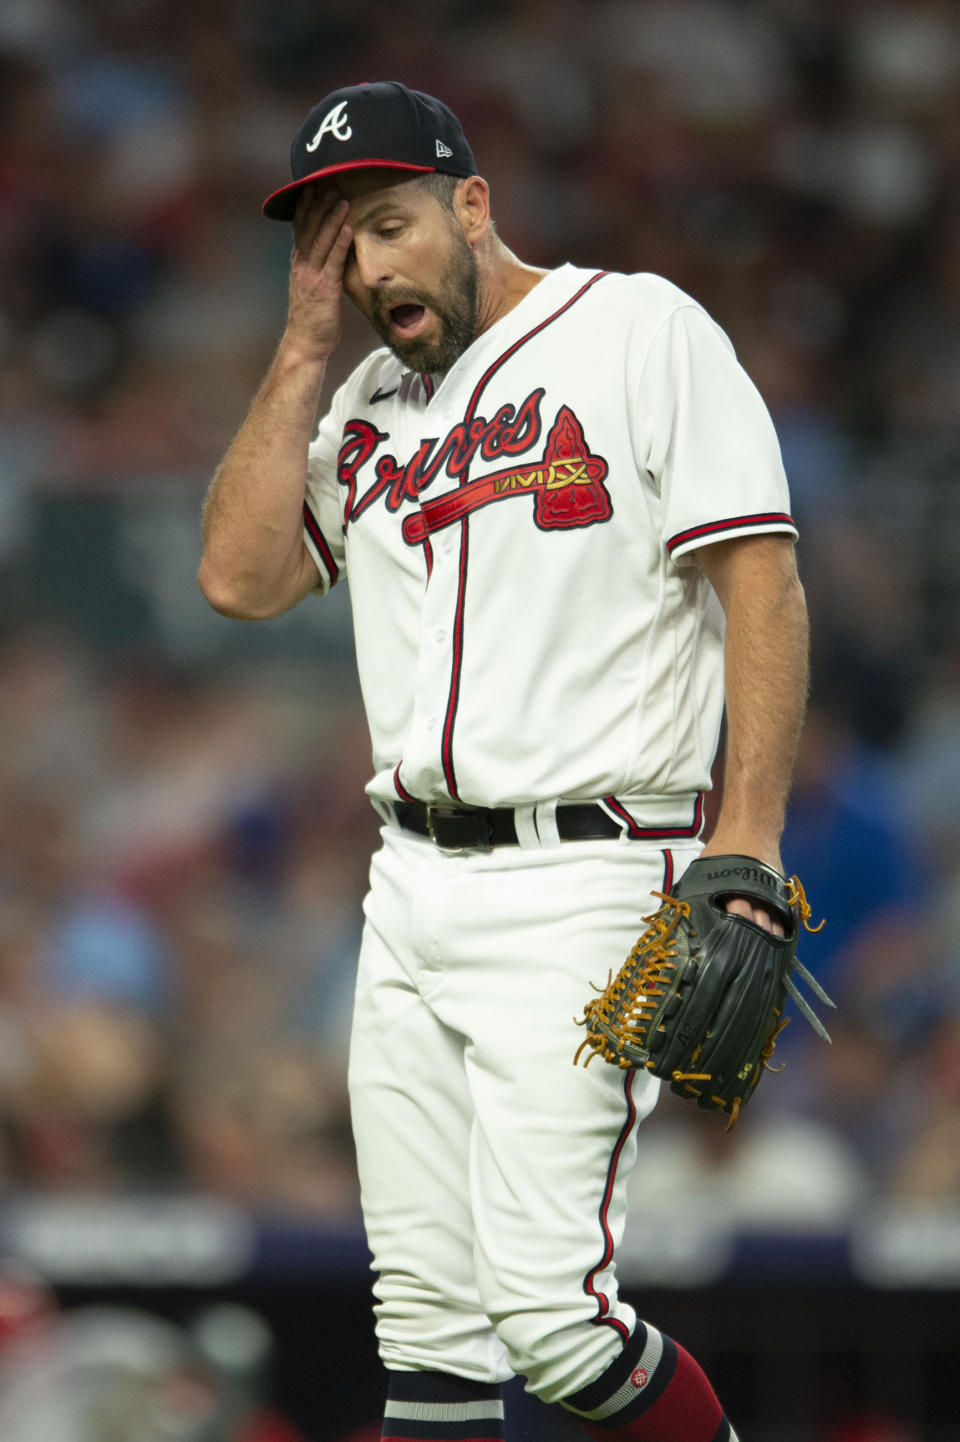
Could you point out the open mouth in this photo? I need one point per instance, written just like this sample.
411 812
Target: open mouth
407 319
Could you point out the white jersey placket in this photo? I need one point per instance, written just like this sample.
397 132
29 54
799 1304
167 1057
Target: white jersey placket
446 557
444 629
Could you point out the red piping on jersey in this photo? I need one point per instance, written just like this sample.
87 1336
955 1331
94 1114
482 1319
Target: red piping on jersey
668 870
401 790
446 748
446 754
589 1281
319 540
656 833
482 382
735 523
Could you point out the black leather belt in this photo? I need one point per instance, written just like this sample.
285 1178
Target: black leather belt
460 828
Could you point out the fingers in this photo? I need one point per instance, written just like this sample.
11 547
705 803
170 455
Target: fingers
321 244
318 224
740 906
772 923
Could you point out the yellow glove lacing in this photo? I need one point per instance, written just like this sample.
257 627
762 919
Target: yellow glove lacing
623 1011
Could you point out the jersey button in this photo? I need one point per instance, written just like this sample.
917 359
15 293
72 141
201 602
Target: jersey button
440 636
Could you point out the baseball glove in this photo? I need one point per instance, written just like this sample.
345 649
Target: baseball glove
700 999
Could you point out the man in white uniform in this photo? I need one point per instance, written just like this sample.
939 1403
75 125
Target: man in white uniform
562 510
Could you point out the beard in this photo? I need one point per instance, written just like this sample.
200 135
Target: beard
455 303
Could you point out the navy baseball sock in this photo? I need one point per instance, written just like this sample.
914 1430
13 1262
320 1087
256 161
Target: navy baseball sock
653 1392
437 1407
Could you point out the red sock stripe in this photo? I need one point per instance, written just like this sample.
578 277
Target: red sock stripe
684 1409
687 1410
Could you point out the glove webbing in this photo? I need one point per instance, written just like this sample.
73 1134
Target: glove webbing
638 987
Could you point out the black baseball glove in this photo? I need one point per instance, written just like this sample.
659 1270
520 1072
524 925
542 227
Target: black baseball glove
700 999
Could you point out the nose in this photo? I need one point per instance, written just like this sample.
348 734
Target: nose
372 266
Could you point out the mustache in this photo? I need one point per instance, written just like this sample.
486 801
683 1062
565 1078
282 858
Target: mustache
384 301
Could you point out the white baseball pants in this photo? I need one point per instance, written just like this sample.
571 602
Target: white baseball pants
493 1171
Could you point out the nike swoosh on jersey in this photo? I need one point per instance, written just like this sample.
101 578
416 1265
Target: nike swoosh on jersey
380 395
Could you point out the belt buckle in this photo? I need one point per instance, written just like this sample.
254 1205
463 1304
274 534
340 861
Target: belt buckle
456 829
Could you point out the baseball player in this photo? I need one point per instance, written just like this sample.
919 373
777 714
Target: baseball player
562 510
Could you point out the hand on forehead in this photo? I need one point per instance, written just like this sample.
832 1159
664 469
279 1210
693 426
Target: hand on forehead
373 183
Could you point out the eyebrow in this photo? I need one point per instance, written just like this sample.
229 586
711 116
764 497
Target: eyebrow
383 207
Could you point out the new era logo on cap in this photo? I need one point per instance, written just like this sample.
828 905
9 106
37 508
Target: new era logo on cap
383 124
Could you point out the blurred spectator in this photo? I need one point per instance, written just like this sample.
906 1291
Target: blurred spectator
846 839
929 761
782 1173
119 1374
26 1302
927 1166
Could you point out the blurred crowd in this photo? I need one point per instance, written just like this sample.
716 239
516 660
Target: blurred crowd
184 832
102 1373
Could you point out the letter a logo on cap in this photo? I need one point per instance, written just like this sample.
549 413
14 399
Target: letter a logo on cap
334 123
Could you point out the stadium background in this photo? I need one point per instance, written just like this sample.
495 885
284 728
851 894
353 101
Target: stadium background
184 832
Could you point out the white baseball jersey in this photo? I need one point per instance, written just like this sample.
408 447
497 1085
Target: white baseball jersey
518 538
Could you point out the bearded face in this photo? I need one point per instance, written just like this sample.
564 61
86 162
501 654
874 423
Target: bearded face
411 270
430 328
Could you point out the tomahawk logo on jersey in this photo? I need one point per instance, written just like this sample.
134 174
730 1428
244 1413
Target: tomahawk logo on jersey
566 480
518 461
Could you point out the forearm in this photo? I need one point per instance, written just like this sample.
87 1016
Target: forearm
254 563
766 679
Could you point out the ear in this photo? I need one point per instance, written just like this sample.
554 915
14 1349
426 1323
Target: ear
471 206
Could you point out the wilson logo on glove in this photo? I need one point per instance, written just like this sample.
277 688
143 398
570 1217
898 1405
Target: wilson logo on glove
700 999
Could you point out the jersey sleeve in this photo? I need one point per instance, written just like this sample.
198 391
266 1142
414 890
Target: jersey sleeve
713 450
323 530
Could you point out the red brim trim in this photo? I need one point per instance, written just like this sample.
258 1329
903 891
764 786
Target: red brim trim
283 202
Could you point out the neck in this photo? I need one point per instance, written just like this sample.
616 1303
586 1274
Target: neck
504 281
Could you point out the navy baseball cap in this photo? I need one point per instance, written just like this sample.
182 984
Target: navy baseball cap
383 123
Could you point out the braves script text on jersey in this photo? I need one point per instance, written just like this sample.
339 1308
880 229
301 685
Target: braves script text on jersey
516 539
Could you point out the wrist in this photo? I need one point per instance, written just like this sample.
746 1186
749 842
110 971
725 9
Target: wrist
304 352
745 843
